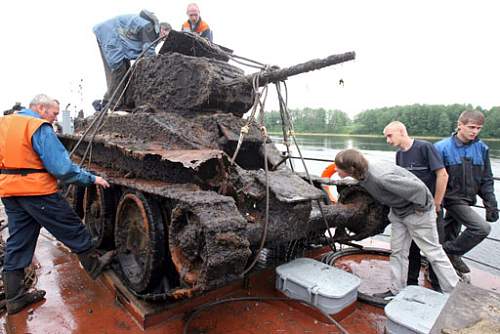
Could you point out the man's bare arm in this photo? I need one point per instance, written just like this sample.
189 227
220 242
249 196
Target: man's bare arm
441 182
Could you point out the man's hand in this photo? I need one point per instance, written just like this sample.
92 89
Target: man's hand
101 182
438 206
491 215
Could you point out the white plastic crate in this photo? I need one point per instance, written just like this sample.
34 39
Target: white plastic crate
414 310
329 288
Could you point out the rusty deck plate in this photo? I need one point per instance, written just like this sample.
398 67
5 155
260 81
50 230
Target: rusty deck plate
76 304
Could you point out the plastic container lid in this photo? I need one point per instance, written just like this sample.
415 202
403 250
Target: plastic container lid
319 278
416 308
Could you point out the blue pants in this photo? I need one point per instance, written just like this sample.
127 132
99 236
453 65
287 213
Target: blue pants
27 214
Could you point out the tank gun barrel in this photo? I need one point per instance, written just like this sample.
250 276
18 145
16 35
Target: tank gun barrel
311 65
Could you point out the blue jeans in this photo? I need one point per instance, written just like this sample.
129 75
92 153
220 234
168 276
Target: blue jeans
27 214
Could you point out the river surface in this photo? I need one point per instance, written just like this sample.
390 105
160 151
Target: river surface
486 255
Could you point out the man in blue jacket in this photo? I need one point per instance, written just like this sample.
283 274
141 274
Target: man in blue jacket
467 162
122 39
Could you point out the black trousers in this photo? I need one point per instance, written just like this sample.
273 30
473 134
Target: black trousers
476 229
28 214
414 257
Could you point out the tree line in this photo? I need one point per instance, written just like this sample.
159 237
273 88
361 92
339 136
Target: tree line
421 120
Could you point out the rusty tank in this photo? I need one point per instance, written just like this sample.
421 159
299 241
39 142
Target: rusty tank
183 217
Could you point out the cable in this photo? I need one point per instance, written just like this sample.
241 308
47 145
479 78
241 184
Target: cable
103 112
191 315
98 121
258 102
284 120
290 129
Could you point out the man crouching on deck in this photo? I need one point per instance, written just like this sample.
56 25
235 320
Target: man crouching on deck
412 216
31 159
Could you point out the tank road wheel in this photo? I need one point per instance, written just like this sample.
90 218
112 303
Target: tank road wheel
185 245
99 213
139 239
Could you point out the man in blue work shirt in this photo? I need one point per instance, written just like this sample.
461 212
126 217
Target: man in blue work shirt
31 160
122 39
467 162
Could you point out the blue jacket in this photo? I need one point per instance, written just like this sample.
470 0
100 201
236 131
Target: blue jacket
469 169
125 37
54 156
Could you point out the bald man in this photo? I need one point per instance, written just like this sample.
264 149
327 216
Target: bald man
195 24
423 160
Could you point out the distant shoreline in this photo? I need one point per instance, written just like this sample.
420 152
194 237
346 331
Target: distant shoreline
364 135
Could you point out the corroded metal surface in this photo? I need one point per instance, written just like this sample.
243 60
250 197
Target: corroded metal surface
170 165
357 215
210 235
188 84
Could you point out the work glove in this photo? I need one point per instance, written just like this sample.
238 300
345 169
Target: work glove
491 207
491 215
97 104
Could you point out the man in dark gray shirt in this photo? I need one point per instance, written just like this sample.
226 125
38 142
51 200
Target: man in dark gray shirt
423 160
412 214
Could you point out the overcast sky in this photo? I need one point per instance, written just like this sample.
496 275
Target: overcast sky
434 52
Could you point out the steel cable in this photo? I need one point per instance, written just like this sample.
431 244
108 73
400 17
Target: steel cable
98 120
259 102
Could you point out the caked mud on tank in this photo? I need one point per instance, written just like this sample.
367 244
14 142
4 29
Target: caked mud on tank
182 217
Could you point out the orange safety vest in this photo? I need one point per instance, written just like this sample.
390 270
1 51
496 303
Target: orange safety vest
202 26
16 152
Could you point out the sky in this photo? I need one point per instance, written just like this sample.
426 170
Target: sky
428 52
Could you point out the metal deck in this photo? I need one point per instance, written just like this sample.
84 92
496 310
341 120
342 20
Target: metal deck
76 304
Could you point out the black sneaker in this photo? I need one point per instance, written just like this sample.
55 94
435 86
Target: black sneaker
458 264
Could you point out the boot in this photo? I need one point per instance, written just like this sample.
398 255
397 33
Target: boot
15 292
459 264
94 263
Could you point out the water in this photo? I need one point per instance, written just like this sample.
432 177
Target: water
376 149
